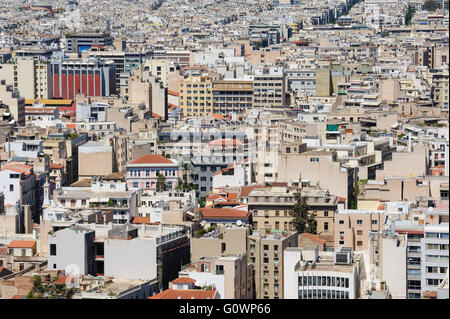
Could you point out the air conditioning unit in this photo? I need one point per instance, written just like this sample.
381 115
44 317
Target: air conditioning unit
343 256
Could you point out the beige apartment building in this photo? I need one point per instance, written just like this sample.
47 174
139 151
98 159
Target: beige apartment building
352 227
196 96
31 77
271 207
268 89
95 159
15 103
320 167
266 253
233 241
229 275
232 96
440 88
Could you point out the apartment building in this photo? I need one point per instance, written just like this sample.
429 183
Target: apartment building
95 159
196 98
266 257
351 227
30 76
310 274
18 182
230 240
228 274
11 99
389 264
269 88
232 97
109 196
124 252
143 172
434 256
271 207
440 89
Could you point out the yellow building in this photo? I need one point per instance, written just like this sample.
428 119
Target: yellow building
196 96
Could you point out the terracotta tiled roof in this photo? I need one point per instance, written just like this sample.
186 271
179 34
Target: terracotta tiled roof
141 220
183 280
54 166
312 237
62 280
152 159
173 93
18 167
156 116
22 244
245 190
185 294
279 184
430 294
225 213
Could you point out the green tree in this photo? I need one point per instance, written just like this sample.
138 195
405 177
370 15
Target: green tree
202 202
161 183
303 221
409 15
430 5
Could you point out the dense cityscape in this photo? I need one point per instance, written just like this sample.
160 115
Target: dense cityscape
224 149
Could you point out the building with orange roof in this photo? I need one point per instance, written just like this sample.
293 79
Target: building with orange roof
224 216
22 248
143 172
187 294
18 182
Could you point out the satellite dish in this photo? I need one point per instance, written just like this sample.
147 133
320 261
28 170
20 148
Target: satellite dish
239 222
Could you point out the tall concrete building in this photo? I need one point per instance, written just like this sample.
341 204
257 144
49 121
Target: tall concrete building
30 76
232 97
269 88
196 96
266 253
91 77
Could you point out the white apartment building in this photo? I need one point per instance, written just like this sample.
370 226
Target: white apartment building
434 248
309 274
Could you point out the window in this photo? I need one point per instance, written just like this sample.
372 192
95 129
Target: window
359 222
374 222
413 284
11 187
52 249
359 232
223 247
325 214
325 226
341 222
433 282
341 242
